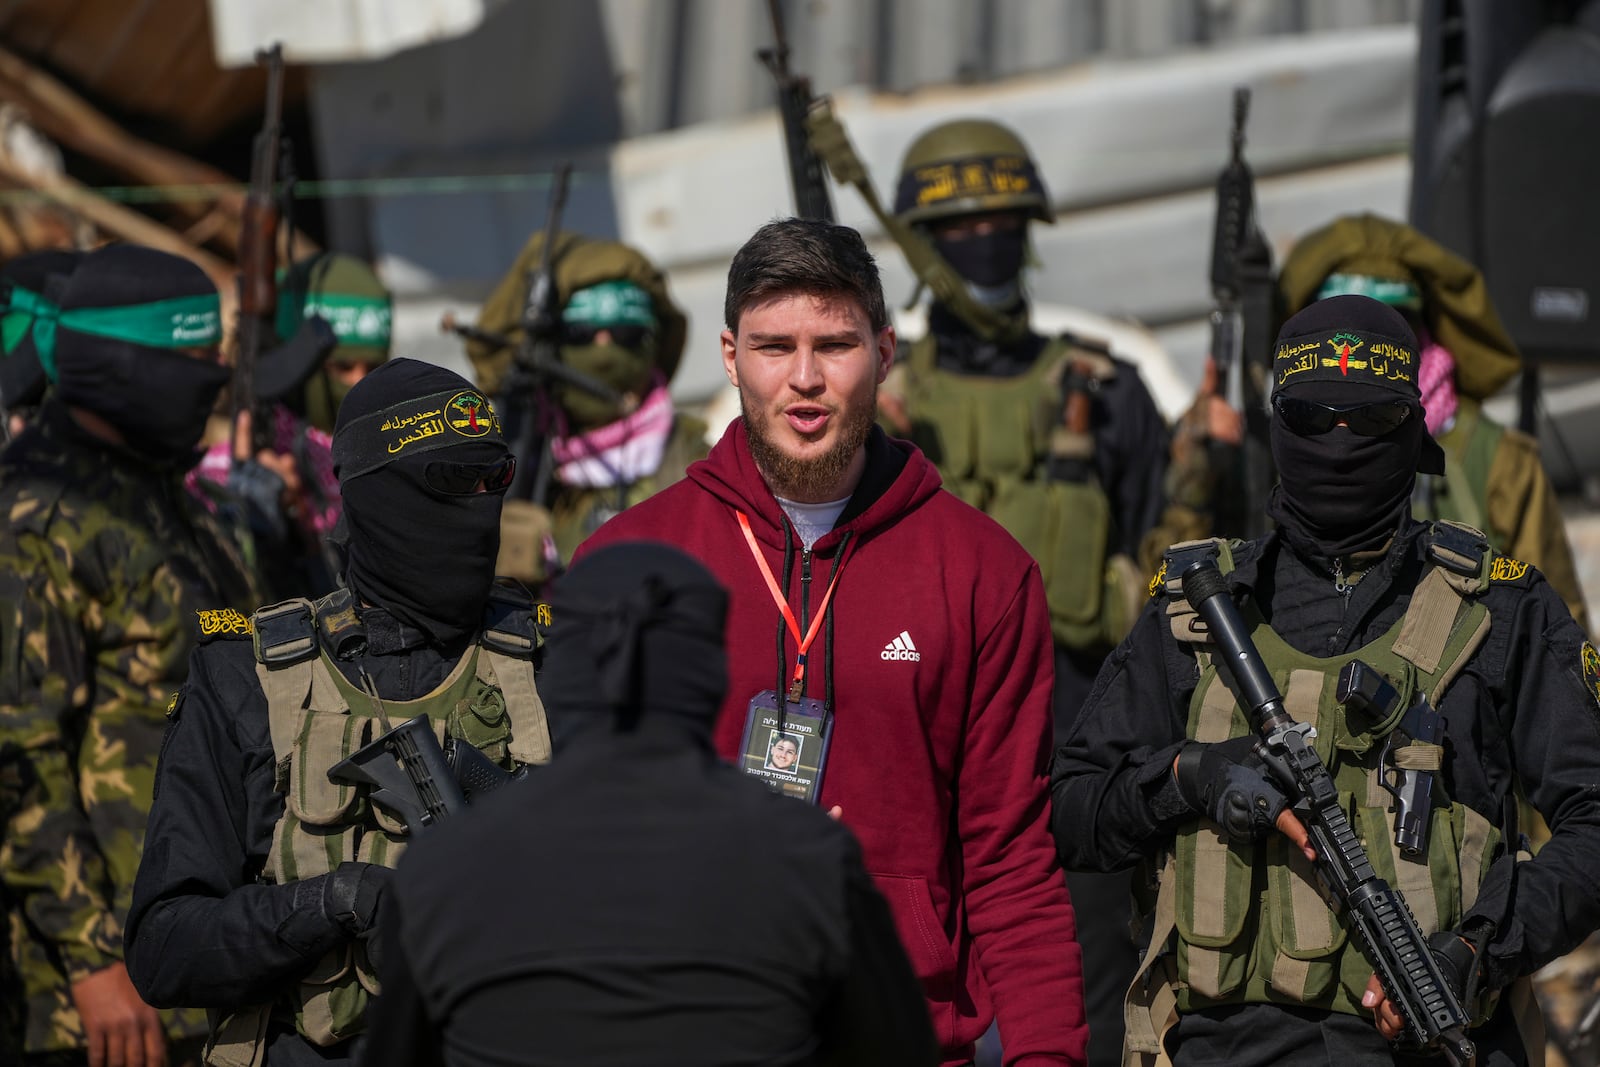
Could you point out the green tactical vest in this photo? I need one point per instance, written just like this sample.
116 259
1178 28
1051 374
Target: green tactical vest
1251 923
318 718
1462 494
991 439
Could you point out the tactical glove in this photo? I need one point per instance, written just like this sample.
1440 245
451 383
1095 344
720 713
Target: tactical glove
1229 784
1458 959
352 893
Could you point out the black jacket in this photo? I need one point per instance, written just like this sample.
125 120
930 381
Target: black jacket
204 931
637 901
1522 710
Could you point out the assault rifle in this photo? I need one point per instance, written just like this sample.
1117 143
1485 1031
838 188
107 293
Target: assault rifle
1375 913
1242 331
409 775
269 200
811 200
258 245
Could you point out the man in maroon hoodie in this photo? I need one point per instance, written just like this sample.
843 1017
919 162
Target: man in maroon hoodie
900 633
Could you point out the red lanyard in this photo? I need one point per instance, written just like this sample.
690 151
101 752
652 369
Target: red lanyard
797 685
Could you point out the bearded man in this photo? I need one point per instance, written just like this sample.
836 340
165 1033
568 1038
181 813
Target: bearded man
901 632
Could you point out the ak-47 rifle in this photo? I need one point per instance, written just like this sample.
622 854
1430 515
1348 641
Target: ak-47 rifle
1241 331
258 248
535 361
1377 916
806 177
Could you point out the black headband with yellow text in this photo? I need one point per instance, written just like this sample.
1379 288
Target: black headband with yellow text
413 427
1356 356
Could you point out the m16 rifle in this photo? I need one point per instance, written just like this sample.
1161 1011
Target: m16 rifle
806 177
1241 333
1376 915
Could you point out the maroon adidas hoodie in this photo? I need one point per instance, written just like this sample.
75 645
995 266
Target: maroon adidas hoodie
941 662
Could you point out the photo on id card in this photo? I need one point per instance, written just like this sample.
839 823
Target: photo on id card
787 752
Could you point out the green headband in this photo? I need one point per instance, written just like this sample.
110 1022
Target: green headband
22 307
1392 291
180 322
613 303
356 320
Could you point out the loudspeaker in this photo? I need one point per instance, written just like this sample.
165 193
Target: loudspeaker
1507 161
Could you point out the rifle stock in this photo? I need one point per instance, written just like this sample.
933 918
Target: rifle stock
1374 912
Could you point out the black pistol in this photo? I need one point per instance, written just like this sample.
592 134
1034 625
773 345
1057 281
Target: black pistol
410 776
1408 779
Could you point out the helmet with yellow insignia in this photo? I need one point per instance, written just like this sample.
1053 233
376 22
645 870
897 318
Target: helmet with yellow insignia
969 166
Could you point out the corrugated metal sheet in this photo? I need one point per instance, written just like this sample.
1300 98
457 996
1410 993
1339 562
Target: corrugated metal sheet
680 62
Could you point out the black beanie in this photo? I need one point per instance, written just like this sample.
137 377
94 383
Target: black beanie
158 396
1351 350
424 554
637 631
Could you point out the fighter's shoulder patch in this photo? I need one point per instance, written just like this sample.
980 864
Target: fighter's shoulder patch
1504 569
1589 669
219 623
175 706
1159 580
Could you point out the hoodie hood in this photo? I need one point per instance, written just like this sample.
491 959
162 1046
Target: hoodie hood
898 478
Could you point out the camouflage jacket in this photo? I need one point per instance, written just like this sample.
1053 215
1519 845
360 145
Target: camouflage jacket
103 565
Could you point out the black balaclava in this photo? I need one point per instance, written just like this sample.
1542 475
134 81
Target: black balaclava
991 261
123 315
426 556
637 633
23 282
1339 492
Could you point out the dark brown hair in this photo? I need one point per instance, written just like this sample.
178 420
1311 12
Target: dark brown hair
804 256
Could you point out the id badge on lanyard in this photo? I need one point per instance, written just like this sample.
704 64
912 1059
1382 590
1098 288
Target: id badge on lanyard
786 736
787 749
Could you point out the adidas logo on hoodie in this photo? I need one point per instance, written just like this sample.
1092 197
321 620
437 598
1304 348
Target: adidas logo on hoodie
901 648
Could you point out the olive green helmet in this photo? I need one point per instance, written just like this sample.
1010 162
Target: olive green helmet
968 166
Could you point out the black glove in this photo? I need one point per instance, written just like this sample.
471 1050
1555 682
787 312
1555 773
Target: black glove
1458 959
1229 784
352 893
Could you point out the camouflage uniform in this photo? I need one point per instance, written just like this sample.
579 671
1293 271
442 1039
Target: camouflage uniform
103 565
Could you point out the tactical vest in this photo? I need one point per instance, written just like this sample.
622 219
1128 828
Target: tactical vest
991 439
1462 493
1251 925
317 718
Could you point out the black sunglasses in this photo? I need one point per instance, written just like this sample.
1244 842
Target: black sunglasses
583 333
1308 418
465 479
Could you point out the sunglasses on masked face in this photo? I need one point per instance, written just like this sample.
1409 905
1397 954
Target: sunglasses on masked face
465 479
1308 418
583 333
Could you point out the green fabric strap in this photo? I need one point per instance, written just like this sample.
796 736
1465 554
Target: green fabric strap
356 319
180 322
23 308
613 303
